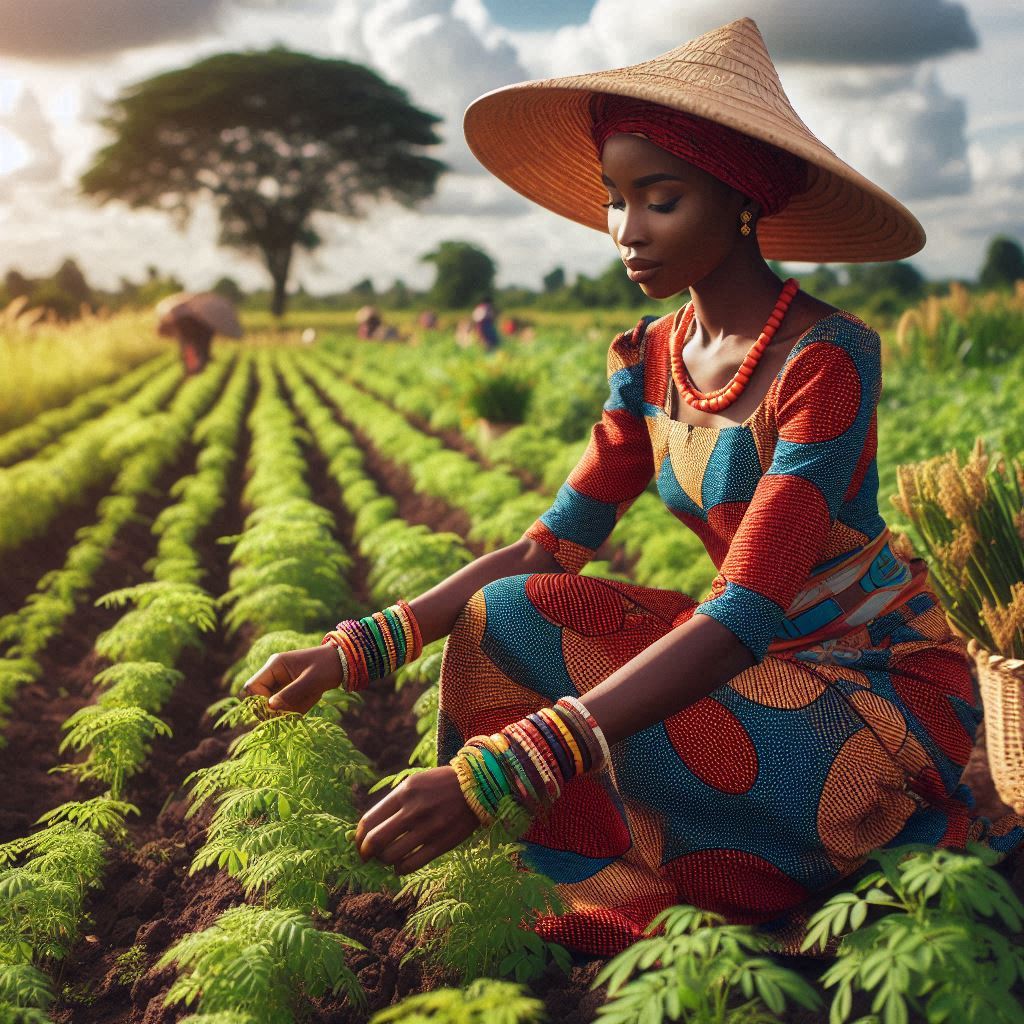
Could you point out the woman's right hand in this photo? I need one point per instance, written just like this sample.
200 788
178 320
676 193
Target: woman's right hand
296 680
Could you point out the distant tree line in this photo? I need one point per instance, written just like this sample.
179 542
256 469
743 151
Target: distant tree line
464 274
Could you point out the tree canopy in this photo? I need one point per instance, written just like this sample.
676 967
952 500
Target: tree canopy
465 275
1004 263
272 137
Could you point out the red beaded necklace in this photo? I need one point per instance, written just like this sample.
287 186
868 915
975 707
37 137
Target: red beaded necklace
723 397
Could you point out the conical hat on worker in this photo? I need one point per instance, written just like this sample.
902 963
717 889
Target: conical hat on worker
217 312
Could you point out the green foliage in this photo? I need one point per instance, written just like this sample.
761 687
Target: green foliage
262 963
704 972
101 815
498 393
144 684
465 275
168 618
471 903
42 899
131 965
284 808
1004 263
482 1001
118 740
25 988
331 134
930 953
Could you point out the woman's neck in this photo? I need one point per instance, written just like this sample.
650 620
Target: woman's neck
737 297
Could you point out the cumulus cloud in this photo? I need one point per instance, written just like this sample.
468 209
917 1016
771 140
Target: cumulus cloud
870 32
434 50
77 29
901 129
27 122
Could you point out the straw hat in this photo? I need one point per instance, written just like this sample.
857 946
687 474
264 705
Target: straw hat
217 312
535 136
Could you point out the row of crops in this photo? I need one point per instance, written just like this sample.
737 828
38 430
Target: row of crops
275 814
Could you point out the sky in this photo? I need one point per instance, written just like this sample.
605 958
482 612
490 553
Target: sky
925 97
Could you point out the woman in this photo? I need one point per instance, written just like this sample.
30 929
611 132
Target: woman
745 752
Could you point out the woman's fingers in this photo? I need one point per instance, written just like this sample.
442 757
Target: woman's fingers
300 695
274 674
296 680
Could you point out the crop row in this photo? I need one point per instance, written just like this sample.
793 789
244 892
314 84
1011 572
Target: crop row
49 873
48 426
145 452
34 491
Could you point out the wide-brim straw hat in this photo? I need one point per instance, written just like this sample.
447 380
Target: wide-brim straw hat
535 136
217 312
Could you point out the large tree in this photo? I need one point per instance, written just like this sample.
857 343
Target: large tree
272 137
1004 263
465 274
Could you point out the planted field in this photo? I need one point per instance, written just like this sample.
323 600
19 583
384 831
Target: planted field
168 851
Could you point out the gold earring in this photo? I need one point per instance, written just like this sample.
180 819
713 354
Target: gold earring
745 216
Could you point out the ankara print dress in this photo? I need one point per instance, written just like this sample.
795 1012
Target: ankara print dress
849 732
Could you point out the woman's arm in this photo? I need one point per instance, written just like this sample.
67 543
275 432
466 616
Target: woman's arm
438 608
296 680
683 666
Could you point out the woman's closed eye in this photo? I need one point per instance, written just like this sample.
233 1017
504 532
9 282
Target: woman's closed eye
620 204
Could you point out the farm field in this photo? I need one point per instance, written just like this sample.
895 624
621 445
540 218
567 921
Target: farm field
160 536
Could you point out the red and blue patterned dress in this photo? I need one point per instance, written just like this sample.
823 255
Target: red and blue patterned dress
849 732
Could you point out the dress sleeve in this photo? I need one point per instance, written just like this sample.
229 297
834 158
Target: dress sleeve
614 470
825 411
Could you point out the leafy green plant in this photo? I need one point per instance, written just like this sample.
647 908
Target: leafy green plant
930 953
101 815
42 900
25 994
472 903
284 807
499 394
168 617
131 965
482 1001
118 740
704 972
265 964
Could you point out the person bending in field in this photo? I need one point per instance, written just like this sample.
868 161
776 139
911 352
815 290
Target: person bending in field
193 318
744 752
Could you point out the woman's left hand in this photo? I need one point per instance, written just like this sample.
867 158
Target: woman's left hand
426 810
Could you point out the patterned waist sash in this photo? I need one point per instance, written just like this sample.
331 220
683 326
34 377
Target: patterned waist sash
870 583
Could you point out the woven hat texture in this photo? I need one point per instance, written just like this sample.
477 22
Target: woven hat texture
535 136
217 312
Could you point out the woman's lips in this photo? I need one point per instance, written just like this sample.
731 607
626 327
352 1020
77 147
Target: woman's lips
640 274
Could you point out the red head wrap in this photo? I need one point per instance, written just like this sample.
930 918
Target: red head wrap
754 168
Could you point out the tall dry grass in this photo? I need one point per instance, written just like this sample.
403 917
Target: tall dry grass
45 364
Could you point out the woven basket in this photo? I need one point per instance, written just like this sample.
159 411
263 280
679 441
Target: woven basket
1001 681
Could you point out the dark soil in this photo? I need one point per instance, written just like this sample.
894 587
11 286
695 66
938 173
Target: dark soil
21 570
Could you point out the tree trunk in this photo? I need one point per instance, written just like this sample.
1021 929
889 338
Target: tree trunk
278 262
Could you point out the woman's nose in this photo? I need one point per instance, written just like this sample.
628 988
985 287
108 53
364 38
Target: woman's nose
630 231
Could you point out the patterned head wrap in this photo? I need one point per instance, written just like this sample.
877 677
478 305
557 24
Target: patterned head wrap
754 168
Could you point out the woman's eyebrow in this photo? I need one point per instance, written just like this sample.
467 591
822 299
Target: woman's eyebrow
647 179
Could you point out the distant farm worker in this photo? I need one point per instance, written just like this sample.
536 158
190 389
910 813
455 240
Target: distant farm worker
485 324
371 327
194 318
745 752
427 320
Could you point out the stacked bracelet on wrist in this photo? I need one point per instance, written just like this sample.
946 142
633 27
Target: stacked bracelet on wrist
374 646
530 760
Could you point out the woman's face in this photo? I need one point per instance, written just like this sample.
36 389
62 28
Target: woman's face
672 222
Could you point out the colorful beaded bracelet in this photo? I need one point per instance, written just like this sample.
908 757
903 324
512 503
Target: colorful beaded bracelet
376 645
